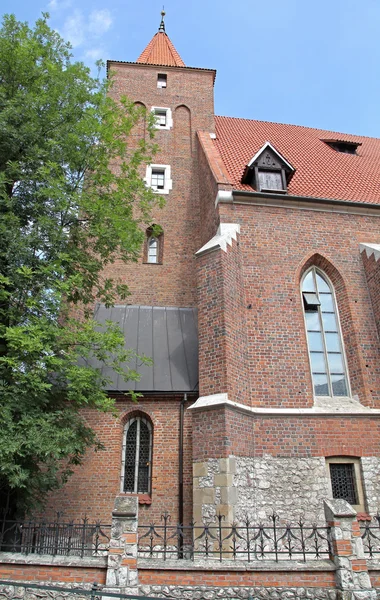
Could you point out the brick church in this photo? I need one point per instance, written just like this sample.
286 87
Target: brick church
258 300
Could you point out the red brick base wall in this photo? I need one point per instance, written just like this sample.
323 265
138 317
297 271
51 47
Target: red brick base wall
46 573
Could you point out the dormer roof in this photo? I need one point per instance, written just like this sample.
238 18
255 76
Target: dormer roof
268 146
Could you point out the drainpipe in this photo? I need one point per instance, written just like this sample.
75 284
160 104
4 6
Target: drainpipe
180 471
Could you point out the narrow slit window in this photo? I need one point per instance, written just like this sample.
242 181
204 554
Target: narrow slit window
327 360
137 456
153 250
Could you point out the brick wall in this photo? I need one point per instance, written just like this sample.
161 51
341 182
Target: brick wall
372 271
189 94
49 573
277 245
222 432
92 489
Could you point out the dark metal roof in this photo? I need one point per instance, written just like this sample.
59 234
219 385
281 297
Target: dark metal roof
168 335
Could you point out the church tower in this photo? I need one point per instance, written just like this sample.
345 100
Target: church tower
182 99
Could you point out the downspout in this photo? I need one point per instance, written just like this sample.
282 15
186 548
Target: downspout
180 472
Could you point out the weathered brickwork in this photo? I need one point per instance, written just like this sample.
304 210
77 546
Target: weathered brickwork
92 489
372 271
277 246
48 573
189 94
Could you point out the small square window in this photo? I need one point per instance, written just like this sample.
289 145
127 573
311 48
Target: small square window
163 117
160 117
161 80
158 178
343 482
346 481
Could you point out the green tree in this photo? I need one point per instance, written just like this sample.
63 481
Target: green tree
71 201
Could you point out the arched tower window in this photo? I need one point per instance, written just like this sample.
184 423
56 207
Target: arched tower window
137 456
152 249
328 365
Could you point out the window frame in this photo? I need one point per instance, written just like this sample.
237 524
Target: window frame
349 460
127 425
162 81
327 280
168 183
169 118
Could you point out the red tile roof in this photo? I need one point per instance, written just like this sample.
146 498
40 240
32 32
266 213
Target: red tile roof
321 172
160 51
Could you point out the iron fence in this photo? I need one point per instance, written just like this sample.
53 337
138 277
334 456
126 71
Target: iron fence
246 541
75 538
370 531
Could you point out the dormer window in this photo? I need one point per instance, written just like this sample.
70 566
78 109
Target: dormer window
268 171
343 146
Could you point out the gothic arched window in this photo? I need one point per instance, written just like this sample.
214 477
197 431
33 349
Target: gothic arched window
137 456
328 365
154 245
152 249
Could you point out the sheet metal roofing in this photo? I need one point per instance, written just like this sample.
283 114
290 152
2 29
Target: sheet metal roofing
321 171
168 335
160 51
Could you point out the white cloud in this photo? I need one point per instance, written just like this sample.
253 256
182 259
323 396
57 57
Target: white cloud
94 54
58 4
74 29
99 22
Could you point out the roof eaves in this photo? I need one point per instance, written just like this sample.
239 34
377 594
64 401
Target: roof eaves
128 62
316 199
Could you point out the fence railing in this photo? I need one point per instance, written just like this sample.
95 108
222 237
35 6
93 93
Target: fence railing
80 538
370 531
245 541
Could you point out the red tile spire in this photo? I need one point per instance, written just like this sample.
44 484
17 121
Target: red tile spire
160 50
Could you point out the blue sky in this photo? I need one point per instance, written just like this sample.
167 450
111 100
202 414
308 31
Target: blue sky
313 63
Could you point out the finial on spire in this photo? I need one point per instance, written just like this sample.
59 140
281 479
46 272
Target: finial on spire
162 24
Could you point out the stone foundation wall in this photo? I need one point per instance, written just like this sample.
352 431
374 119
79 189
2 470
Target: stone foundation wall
371 481
202 592
292 487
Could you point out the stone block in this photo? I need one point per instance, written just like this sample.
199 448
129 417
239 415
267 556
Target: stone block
337 508
362 580
125 506
227 465
223 480
204 496
200 469
228 495
344 579
114 561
